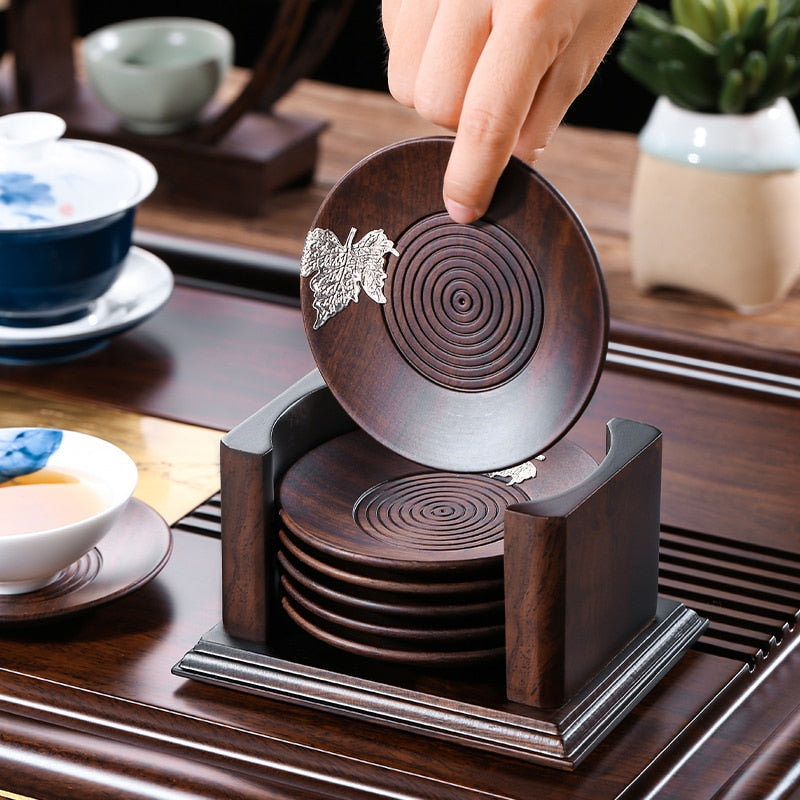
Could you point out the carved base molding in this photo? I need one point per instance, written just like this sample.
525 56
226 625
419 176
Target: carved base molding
474 713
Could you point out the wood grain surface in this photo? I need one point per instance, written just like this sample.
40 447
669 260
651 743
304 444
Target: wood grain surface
205 359
101 685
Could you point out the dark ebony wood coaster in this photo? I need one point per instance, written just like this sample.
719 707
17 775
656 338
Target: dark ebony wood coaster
419 635
353 500
385 650
480 345
132 553
446 583
368 604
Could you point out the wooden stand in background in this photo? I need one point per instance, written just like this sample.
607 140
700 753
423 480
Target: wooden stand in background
236 155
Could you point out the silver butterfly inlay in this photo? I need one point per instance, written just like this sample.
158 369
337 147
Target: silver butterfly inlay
339 271
522 472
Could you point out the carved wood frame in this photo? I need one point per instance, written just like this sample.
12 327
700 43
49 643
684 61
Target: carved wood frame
586 634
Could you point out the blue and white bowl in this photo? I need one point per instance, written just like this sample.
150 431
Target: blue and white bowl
67 210
33 552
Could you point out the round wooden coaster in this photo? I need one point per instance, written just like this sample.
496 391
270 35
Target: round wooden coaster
353 500
369 605
428 636
132 553
382 650
404 583
480 345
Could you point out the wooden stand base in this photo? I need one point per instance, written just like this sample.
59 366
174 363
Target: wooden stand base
586 635
263 152
472 712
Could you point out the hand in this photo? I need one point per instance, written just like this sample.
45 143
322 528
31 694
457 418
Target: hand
501 73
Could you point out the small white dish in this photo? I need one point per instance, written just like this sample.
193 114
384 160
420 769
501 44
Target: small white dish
131 554
143 287
60 493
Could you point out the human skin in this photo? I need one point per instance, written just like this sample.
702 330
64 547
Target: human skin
500 73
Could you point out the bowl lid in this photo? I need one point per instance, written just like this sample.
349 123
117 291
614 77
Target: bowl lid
476 346
47 182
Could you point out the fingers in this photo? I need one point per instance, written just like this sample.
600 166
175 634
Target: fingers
389 11
569 75
517 54
501 73
445 71
434 47
407 24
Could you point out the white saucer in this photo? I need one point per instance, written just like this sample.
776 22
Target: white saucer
142 288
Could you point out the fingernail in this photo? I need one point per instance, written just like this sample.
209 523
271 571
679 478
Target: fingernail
461 213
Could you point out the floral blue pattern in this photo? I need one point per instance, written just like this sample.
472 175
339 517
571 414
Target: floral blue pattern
26 451
21 190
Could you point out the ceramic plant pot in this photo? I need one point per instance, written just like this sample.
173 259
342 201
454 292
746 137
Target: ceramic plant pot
716 205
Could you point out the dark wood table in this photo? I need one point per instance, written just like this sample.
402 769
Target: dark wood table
90 709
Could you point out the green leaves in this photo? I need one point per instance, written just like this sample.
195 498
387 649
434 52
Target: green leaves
696 16
717 56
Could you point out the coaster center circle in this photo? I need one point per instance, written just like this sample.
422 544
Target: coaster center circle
465 304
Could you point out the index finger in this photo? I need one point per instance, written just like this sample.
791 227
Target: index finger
517 54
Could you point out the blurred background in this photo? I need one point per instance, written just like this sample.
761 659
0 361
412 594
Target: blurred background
612 101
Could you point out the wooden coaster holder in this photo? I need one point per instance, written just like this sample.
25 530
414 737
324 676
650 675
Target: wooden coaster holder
586 633
236 155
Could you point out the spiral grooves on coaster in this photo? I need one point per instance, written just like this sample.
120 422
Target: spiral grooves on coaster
464 303
78 574
437 511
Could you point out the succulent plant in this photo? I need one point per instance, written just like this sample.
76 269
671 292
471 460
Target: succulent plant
716 56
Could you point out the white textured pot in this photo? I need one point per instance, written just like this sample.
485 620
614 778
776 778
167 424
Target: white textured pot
716 204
